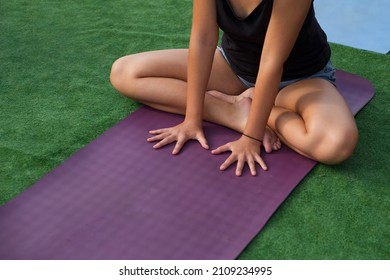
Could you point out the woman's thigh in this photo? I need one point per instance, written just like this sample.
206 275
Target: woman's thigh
318 102
313 119
172 64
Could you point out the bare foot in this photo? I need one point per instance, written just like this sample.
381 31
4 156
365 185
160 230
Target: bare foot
241 104
232 98
271 141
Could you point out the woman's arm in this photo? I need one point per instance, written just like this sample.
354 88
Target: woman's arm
203 43
285 24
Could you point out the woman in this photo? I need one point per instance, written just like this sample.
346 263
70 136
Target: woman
271 80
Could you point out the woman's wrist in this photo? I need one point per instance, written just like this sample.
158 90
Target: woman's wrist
193 120
253 138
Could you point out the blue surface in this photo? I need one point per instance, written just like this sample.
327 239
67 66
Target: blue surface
361 24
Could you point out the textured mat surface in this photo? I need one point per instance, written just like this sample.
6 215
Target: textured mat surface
117 198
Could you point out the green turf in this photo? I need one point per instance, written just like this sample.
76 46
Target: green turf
56 98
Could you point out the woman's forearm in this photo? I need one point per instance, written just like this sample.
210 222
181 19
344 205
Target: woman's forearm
200 59
203 42
263 100
286 20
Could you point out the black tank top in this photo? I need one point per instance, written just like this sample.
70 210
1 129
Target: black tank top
243 41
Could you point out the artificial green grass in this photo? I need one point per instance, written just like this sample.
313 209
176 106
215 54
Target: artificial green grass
56 98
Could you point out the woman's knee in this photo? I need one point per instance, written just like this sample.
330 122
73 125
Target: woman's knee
338 145
121 74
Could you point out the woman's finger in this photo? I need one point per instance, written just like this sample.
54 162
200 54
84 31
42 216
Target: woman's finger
164 142
229 161
179 145
252 166
240 166
203 142
158 137
261 162
158 131
221 149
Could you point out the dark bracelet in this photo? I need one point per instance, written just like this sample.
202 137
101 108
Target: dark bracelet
261 141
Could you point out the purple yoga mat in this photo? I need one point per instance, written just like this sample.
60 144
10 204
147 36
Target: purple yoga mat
118 198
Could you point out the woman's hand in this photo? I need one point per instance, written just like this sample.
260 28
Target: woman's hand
244 150
187 130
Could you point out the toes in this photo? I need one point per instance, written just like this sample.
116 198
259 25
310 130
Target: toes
277 145
271 141
268 148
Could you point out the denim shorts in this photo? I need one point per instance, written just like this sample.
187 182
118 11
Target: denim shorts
327 73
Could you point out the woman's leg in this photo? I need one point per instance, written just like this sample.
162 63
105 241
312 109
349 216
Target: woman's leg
312 118
158 79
